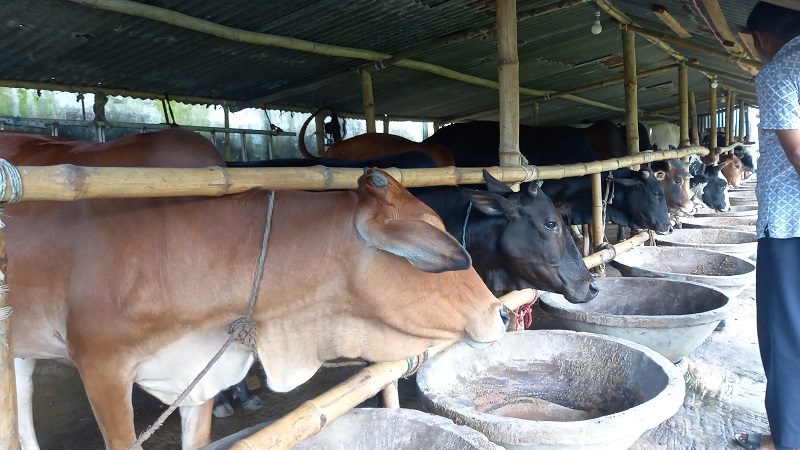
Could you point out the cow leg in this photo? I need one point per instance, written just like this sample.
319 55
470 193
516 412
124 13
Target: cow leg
587 245
23 368
620 233
109 388
196 425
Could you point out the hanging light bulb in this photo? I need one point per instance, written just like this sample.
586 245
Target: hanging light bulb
714 83
596 27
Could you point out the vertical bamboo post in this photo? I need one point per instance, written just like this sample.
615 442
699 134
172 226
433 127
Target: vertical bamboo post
391 396
9 439
227 124
631 94
535 114
508 76
598 224
712 113
729 117
693 128
683 99
741 132
385 124
319 135
368 99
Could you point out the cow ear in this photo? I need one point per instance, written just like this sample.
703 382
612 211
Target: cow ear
493 184
533 187
660 175
426 247
491 204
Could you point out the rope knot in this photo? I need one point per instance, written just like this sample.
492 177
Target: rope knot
244 331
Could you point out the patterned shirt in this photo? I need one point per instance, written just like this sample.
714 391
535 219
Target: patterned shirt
778 186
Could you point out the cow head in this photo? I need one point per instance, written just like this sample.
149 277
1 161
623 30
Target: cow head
532 245
641 203
733 169
715 190
674 179
434 294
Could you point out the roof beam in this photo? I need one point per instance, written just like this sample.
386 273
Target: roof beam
729 41
791 4
561 94
666 18
251 37
733 77
750 45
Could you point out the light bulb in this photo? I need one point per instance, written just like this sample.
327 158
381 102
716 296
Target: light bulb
596 27
714 83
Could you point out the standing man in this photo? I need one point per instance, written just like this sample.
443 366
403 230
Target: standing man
776 32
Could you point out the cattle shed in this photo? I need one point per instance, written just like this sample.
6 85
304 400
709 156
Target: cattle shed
442 61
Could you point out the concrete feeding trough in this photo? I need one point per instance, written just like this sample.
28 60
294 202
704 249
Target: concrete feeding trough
671 317
371 428
723 223
554 389
734 211
742 244
725 272
743 198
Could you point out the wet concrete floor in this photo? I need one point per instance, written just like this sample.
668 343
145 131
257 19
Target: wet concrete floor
725 389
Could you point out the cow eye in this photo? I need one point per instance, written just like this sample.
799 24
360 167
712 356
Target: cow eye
678 180
551 225
657 195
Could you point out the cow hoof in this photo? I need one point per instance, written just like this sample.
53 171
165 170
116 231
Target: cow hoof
223 410
253 403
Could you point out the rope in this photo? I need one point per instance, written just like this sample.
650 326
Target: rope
241 330
414 363
464 228
5 312
9 177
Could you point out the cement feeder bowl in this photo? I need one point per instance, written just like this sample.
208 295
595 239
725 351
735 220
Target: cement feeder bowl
723 223
554 389
741 244
724 272
734 211
373 428
671 317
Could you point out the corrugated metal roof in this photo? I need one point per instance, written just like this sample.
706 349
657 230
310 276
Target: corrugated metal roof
58 41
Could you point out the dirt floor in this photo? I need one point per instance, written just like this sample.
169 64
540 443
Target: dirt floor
725 389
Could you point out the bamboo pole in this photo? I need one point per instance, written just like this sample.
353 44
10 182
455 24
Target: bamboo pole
729 106
535 121
9 438
508 74
741 131
67 182
606 255
385 124
390 396
631 91
319 134
598 222
695 134
314 414
721 73
683 100
227 125
712 112
369 101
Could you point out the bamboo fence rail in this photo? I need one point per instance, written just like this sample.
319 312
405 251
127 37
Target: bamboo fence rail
68 182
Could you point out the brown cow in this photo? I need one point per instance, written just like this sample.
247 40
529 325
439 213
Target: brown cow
142 290
733 170
375 145
674 177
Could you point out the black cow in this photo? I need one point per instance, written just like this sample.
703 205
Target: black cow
708 183
475 144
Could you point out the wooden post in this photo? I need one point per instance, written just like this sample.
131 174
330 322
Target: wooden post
598 224
227 124
9 439
508 76
99 109
535 114
390 396
741 132
729 116
683 98
631 94
369 101
386 124
712 113
319 135
693 128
